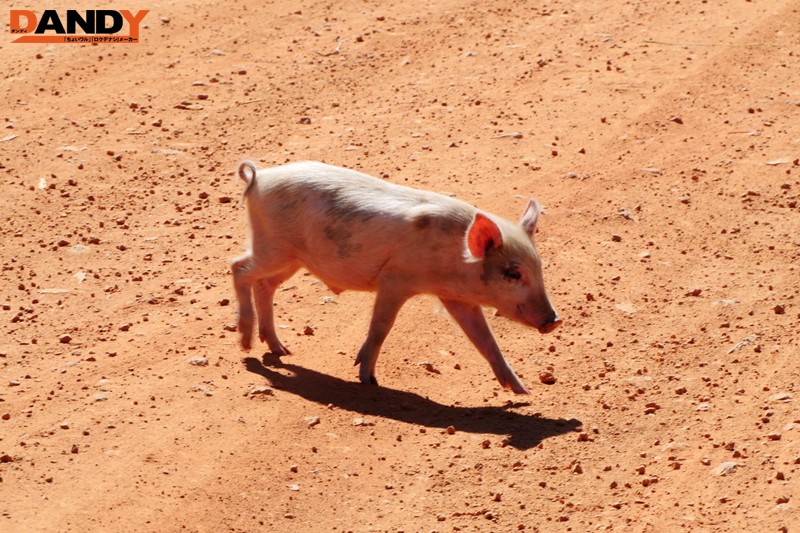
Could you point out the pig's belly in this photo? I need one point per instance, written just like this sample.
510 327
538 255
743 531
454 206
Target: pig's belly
355 272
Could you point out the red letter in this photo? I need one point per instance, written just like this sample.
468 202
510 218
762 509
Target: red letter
30 18
134 21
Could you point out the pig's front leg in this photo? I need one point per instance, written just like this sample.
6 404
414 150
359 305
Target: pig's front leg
387 305
264 291
470 318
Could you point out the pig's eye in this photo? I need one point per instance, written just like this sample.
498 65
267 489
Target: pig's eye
512 273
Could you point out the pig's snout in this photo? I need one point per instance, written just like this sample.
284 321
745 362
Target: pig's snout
550 325
544 322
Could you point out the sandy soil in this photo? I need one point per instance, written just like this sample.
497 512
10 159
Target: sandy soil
663 140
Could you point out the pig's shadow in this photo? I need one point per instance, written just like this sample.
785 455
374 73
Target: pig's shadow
524 431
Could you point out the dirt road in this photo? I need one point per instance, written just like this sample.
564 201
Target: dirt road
661 138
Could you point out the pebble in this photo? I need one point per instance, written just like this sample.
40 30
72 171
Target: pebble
362 422
429 367
781 397
728 467
260 390
312 421
198 361
64 338
547 377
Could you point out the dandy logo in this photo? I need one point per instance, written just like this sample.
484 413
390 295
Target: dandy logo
95 25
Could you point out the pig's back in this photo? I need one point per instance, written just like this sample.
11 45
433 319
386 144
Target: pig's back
346 227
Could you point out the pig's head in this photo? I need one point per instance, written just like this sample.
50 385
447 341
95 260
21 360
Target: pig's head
510 268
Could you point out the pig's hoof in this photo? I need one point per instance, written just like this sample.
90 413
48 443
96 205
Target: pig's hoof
371 380
280 349
245 344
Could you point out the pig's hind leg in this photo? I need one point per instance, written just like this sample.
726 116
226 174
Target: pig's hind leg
264 292
470 318
265 268
242 270
387 305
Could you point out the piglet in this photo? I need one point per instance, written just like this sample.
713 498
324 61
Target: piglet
357 232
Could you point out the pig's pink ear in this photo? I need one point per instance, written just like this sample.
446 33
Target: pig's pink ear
530 217
482 235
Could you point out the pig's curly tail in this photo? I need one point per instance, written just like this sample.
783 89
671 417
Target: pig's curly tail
247 171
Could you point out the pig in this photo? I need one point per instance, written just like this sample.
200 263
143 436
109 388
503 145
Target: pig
357 232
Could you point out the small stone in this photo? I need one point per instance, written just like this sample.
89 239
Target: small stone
429 367
362 422
74 448
616 238
547 377
450 430
728 467
65 338
5 458
224 199
293 486
781 397
260 390
779 309
229 327
198 361
6 416
774 436
308 330
311 421
676 119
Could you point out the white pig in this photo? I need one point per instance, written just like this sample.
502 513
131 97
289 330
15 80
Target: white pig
357 232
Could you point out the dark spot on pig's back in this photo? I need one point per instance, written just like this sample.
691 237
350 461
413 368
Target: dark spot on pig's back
341 237
450 226
422 222
339 209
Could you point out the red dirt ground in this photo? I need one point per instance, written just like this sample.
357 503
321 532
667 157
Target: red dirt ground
663 140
